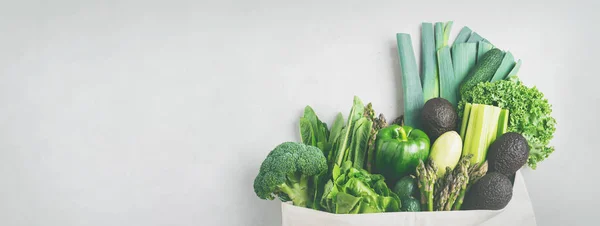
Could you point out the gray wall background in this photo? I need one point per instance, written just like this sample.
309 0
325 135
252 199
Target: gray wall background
159 113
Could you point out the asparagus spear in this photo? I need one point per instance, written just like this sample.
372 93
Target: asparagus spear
431 173
422 183
378 123
455 191
399 121
476 172
426 174
443 190
461 173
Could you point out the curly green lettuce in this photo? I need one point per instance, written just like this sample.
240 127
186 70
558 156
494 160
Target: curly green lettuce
529 113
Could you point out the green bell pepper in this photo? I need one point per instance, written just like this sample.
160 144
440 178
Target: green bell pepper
399 149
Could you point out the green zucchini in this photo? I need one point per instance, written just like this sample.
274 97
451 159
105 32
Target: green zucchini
484 70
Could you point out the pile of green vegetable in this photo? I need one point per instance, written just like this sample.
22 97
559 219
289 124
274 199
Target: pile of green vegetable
469 125
530 113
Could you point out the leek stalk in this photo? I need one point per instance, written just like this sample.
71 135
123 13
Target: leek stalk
508 63
413 92
429 69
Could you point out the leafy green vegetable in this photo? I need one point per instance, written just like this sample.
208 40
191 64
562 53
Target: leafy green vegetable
345 141
358 136
336 133
360 140
286 171
530 113
345 203
336 128
313 131
354 191
307 133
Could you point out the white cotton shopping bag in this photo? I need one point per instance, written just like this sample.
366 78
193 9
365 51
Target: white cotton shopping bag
518 212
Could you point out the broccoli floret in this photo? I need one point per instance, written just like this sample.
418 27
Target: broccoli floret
286 171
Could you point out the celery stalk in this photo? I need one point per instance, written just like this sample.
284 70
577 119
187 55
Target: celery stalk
494 116
474 130
465 121
481 126
484 122
502 122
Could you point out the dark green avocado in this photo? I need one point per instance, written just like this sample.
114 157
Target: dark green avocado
508 154
406 187
492 192
410 204
437 117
